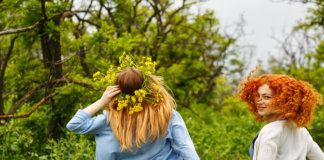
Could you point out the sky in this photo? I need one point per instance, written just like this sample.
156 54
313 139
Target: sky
264 19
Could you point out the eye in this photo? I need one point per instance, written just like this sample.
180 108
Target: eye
267 97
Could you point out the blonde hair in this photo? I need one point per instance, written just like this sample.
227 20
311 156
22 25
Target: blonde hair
149 124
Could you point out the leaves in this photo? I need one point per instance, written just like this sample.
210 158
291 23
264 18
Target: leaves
198 62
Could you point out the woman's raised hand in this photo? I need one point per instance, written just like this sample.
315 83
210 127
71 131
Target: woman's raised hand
109 94
104 101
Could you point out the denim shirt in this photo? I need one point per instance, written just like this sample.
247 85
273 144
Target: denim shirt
175 145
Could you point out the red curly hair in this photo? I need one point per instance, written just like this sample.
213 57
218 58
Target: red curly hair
295 99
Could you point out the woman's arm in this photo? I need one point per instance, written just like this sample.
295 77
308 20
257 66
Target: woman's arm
266 151
82 122
267 144
314 152
181 141
104 101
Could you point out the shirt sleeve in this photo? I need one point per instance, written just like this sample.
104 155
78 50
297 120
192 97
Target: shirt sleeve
82 122
314 152
181 141
268 143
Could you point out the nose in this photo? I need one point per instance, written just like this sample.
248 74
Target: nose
259 100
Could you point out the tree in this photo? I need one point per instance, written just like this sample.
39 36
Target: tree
61 44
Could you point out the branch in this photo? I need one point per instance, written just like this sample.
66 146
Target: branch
110 14
32 110
85 20
65 14
28 95
22 29
178 10
158 13
87 11
134 17
43 9
148 22
3 68
83 11
72 2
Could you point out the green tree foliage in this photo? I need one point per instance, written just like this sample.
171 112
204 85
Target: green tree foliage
50 49
306 61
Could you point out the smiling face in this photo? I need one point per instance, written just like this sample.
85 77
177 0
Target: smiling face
265 96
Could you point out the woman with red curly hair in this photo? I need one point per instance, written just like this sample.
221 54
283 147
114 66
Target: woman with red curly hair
287 105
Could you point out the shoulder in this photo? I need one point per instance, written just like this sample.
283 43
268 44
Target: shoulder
176 117
277 125
273 131
176 120
175 113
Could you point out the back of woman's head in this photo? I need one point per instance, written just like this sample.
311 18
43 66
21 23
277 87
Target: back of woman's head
134 130
129 80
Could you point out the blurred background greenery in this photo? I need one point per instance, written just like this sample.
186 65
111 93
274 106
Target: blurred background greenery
50 49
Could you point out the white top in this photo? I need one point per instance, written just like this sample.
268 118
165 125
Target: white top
281 140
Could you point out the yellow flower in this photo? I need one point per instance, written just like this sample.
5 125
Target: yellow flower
155 86
106 77
140 99
120 105
96 74
142 91
148 63
137 93
138 107
133 102
133 99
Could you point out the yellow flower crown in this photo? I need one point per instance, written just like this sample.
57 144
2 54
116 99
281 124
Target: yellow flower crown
133 101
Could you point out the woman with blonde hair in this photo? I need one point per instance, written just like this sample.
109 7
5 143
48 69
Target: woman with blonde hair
142 124
287 105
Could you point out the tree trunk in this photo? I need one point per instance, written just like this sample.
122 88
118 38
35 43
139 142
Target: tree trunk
2 110
82 55
51 49
3 66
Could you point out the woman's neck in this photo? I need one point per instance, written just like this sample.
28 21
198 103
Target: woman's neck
272 117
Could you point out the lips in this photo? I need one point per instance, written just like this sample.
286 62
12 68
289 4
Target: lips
260 108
